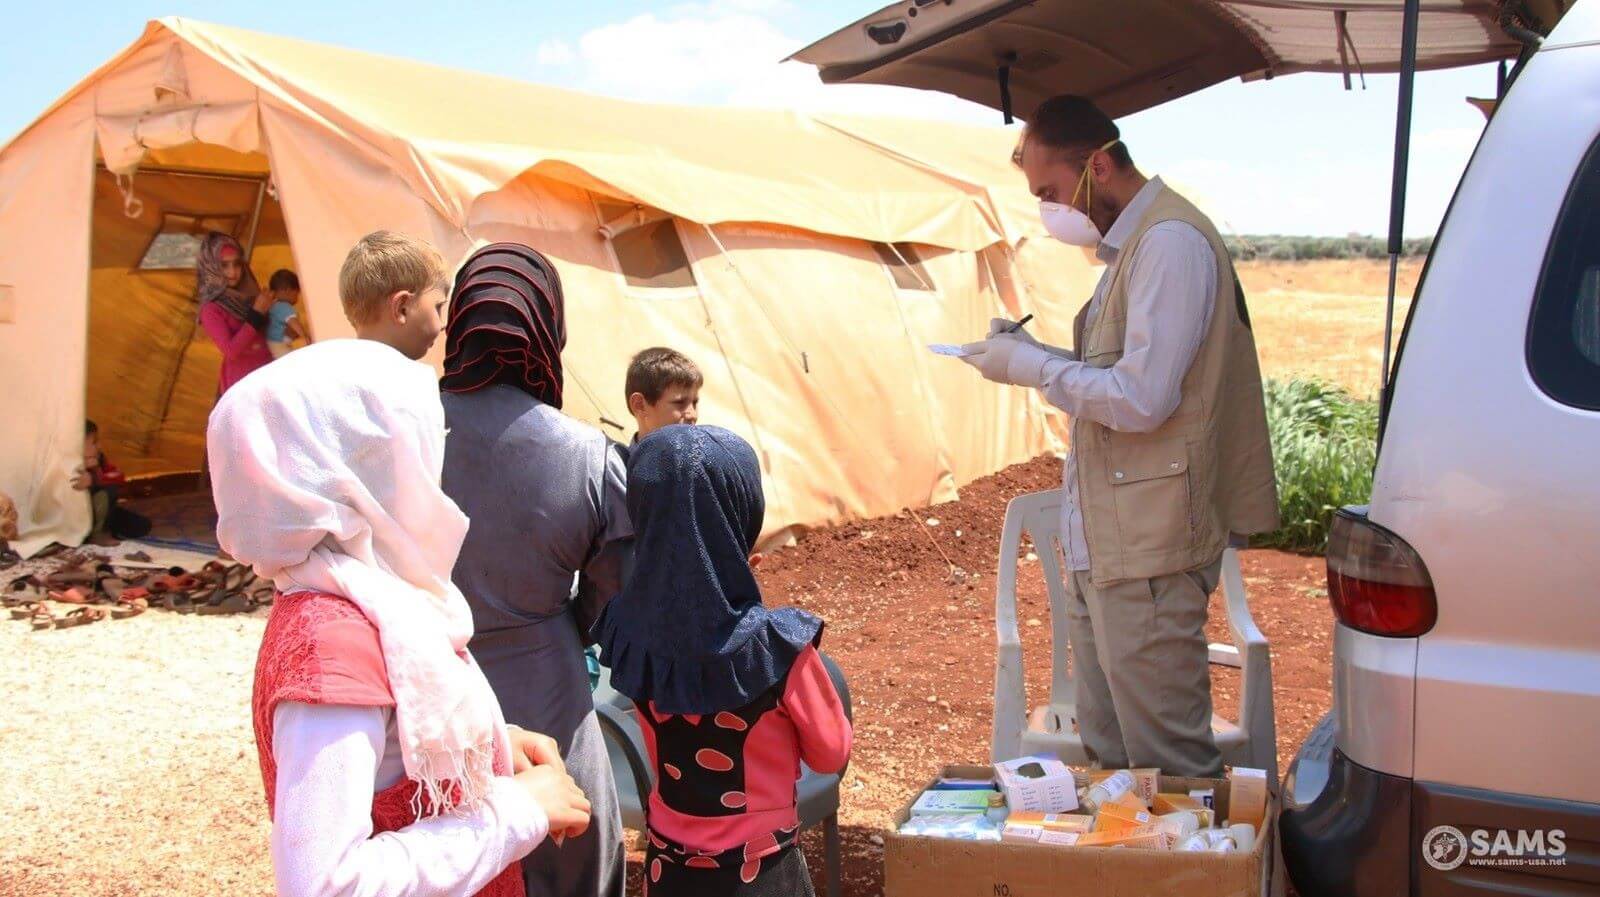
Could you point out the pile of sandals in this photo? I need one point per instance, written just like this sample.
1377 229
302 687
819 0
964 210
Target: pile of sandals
95 590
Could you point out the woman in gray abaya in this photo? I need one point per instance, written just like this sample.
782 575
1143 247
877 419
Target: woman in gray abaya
545 494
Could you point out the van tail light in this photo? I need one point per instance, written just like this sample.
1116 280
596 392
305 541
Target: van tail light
1376 582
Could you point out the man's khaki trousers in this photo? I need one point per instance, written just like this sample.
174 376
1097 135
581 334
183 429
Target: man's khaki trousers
1142 672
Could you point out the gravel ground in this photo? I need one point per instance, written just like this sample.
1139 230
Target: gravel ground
131 764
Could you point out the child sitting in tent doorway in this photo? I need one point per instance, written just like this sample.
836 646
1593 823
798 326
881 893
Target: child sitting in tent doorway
283 320
102 480
233 310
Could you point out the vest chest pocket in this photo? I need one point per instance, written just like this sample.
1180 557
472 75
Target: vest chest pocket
1150 488
1104 344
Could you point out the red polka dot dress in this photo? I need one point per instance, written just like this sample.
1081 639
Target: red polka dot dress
722 818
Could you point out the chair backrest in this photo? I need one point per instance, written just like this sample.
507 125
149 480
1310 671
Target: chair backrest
1038 515
839 683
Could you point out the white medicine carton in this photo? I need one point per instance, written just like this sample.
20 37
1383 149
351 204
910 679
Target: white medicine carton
1037 784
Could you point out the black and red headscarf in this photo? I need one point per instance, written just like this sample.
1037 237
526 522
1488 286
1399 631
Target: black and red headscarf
507 324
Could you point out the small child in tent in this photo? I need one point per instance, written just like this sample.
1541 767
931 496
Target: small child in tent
103 480
283 319
732 696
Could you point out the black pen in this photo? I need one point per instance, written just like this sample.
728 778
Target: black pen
1018 326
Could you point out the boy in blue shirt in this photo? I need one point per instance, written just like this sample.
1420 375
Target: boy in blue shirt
283 322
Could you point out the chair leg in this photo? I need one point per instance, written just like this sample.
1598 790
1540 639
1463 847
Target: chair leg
831 855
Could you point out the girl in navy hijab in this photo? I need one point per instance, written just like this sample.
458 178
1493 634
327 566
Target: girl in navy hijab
732 695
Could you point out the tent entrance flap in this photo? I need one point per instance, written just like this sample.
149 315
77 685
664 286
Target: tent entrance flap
152 371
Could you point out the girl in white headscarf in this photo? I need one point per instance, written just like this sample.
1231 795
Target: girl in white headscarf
387 765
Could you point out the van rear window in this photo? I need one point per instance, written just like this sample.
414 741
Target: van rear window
1564 332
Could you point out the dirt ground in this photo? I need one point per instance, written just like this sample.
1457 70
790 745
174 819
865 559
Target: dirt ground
132 770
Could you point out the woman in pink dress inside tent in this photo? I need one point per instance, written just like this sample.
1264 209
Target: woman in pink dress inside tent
232 308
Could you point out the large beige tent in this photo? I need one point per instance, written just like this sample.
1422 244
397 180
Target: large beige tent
803 261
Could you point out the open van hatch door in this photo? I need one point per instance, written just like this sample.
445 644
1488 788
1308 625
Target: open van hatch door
1130 55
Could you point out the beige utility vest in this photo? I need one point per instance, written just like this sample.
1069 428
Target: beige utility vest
1163 502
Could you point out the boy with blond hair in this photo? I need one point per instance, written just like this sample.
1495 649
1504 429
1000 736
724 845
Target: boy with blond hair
663 388
393 288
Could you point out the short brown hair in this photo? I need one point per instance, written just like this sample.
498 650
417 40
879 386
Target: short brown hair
383 263
1073 124
652 371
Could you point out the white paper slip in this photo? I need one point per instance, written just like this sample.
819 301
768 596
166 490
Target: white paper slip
950 349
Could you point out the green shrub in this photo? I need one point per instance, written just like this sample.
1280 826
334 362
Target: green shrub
1324 445
1277 247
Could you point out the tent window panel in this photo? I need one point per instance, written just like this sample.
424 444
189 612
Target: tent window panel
176 245
652 256
905 266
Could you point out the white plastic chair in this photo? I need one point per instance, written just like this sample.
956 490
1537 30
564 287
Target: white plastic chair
1050 728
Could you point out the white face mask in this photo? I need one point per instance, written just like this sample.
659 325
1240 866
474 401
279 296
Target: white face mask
1066 223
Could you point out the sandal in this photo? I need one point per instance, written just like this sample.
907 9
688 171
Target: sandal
26 609
232 604
83 616
130 605
138 557
215 572
73 595
23 589
229 586
42 618
264 595
67 577
178 602
175 582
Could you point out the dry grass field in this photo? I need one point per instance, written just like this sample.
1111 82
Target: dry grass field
1325 318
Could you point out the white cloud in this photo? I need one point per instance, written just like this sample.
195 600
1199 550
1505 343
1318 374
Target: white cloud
724 7
729 52
555 53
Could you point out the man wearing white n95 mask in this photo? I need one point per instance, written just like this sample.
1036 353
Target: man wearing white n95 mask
1170 457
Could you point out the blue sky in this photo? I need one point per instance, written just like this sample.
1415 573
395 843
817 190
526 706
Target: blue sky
1294 155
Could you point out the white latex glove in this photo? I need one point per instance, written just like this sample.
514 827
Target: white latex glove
997 330
998 327
1007 361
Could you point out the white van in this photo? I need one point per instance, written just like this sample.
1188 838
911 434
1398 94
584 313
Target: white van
1462 755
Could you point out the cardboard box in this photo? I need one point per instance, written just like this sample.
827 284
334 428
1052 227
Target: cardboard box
1117 816
1153 836
1130 803
1172 803
1061 822
930 867
955 802
1247 796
